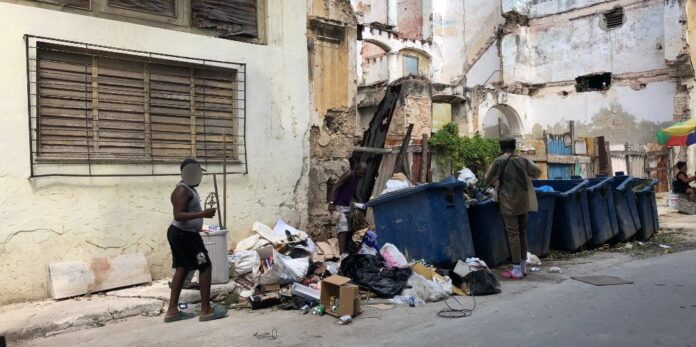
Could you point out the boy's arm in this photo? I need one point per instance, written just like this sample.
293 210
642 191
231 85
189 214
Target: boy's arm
180 197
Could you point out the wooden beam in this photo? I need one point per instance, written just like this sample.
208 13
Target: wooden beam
401 164
425 160
373 150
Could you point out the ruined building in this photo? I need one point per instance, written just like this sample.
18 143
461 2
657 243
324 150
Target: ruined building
617 68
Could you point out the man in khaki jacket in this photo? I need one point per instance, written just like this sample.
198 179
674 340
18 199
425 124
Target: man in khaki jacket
511 174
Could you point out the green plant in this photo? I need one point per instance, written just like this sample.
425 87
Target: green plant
454 152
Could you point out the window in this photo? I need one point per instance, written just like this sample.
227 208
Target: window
410 65
232 18
591 83
99 105
613 19
83 4
160 7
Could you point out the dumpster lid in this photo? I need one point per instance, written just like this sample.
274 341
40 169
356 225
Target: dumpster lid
413 190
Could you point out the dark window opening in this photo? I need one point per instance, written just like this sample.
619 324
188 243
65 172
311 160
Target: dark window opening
614 18
330 184
159 7
591 83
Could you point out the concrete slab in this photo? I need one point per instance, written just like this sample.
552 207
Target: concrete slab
160 290
45 318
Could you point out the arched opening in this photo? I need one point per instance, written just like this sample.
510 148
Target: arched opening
374 62
501 120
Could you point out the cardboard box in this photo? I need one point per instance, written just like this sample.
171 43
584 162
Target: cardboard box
348 296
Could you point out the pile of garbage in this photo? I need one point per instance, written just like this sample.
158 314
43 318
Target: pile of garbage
282 266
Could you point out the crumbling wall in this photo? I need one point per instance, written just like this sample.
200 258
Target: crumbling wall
333 86
563 49
410 19
414 107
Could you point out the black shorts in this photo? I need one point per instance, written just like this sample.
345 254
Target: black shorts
188 250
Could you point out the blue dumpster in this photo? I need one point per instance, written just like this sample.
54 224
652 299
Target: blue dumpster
488 232
571 217
647 209
626 207
540 224
426 222
602 211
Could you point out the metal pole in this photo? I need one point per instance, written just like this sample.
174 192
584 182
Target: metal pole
217 201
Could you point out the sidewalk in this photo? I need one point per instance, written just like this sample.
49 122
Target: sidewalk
50 317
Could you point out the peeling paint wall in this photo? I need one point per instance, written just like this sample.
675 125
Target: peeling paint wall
564 49
333 82
486 70
60 219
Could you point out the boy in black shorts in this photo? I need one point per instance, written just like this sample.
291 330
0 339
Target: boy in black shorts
188 251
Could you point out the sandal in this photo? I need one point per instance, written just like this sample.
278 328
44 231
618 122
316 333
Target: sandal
179 316
218 312
512 276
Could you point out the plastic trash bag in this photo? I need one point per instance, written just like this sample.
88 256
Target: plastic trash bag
285 270
365 249
481 282
393 257
251 243
370 239
467 176
243 262
545 189
371 272
426 290
397 182
533 259
332 267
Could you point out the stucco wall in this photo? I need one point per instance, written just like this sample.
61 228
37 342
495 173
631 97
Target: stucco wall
621 114
487 68
563 50
59 219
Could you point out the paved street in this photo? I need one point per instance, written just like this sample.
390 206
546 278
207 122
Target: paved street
659 309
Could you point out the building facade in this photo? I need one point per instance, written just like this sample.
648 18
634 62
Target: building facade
103 99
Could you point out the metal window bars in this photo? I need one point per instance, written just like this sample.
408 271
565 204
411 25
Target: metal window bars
164 144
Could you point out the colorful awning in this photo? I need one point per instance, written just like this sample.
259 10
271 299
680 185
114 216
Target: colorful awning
681 128
676 141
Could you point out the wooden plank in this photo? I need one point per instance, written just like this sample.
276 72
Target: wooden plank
567 159
425 159
68 279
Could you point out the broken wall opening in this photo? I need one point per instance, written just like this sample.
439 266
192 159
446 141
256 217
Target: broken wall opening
594 82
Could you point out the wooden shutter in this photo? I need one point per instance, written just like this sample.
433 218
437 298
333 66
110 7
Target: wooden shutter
215 113
231 17
160 7
64 103
121 103
110 106
170 111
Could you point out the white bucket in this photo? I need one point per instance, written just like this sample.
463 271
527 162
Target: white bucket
216 245
672 200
